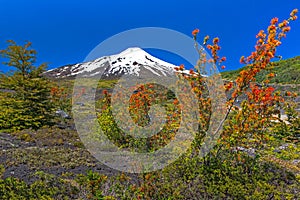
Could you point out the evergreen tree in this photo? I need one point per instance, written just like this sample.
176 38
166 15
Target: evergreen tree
24 95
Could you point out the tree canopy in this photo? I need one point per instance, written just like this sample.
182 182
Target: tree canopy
25 95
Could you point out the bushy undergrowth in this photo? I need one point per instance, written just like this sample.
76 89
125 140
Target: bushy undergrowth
187 178
46 187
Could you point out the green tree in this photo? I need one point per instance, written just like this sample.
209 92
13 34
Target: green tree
24 95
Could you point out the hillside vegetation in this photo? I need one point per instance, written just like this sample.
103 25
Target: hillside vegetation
286 72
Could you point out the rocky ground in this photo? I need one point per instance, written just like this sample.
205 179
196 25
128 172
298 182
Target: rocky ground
57 152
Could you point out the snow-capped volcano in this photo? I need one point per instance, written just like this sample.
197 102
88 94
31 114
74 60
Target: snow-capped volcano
131 62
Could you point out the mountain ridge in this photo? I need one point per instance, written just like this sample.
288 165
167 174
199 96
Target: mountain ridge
130 61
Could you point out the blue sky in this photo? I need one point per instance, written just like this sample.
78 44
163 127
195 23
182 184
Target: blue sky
64 32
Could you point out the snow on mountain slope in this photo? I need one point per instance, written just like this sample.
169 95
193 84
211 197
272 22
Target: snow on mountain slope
131 61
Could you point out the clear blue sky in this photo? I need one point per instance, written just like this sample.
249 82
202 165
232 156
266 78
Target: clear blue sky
64 32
